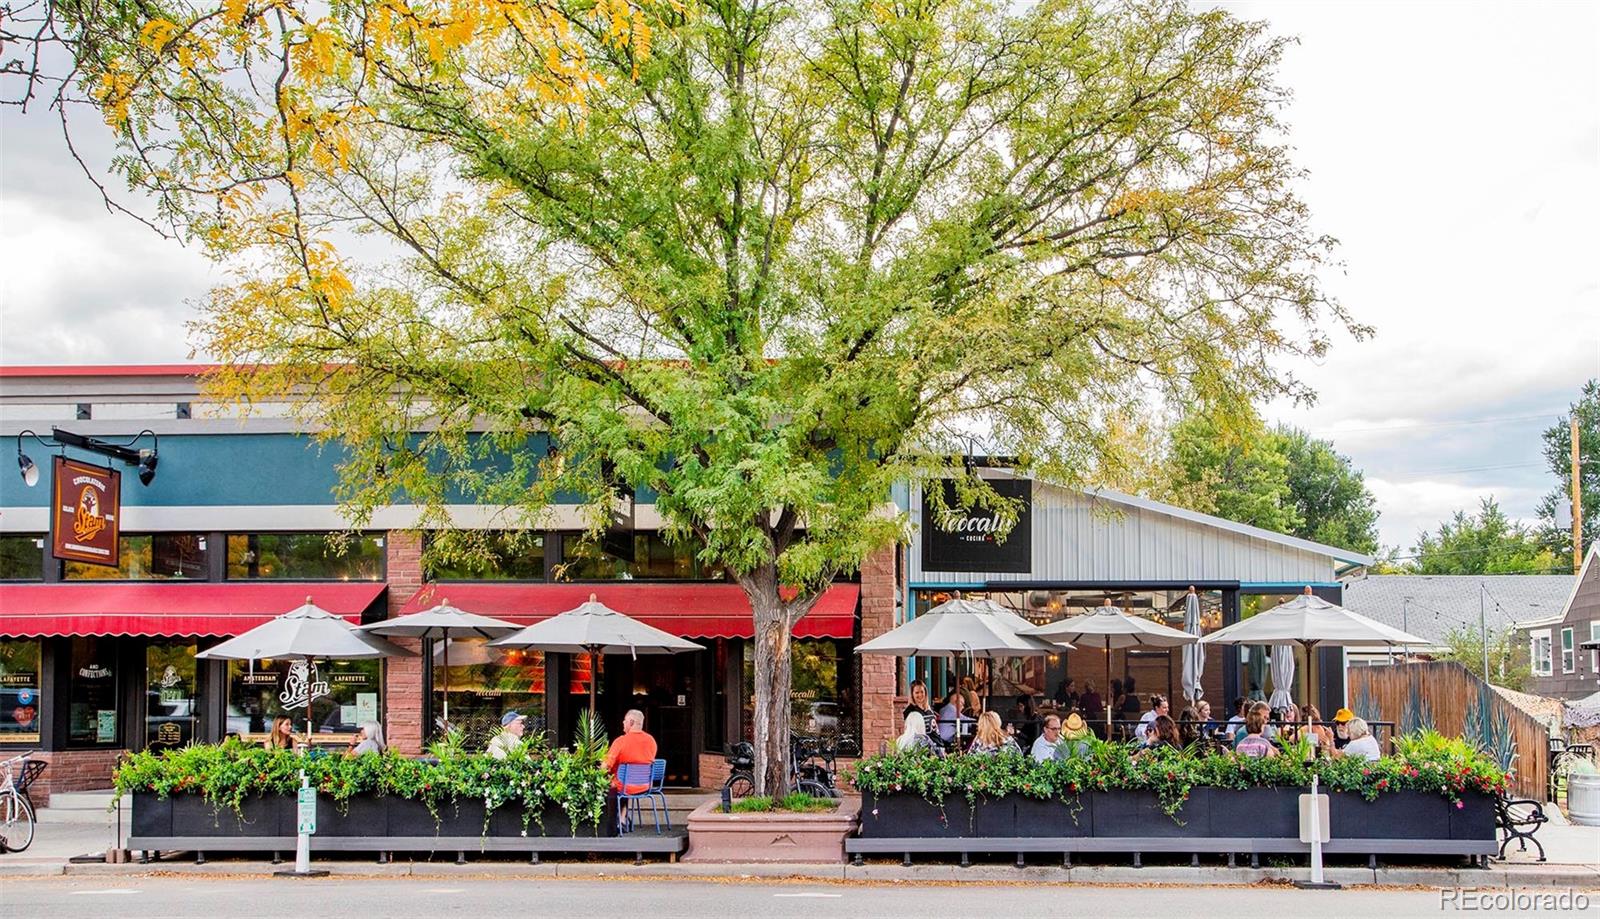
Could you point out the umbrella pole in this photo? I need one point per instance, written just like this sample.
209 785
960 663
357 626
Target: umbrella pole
594 673
311 683
1108 688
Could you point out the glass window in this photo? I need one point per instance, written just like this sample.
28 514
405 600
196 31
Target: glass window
20 707
92 693
1539 653
343 694
630 556
21 557
1568 651
172 709
500 556
820 700
1594 656
149 557
484 683
305 556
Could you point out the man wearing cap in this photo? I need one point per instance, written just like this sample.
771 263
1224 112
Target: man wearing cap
512 726
1341 727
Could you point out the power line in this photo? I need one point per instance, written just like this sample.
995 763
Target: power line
1446 424
1426 472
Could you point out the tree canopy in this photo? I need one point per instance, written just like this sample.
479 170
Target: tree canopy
1558 453
757 261
1488 542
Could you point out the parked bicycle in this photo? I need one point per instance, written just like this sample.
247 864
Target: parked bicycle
16 812
810 770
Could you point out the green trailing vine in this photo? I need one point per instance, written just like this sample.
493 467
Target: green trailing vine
226 775
1426 761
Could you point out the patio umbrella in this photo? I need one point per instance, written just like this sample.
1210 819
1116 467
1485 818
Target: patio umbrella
1108 628
1282 667
1310 622
440 622
1194 654
305 634
593 628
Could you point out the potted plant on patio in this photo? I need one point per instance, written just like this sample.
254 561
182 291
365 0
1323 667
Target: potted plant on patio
797 828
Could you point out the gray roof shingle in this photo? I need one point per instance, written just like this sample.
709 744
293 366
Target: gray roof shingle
1431 606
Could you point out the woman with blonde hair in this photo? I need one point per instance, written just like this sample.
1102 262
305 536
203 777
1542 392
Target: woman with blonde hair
915 736
992 738
282 736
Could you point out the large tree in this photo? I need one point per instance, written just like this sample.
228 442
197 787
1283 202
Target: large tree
1558 453
795 254
1487 542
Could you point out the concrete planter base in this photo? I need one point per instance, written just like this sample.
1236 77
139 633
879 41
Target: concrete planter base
771 837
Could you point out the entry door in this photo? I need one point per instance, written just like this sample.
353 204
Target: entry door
664 690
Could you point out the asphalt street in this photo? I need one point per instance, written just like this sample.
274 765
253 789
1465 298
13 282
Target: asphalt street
175 897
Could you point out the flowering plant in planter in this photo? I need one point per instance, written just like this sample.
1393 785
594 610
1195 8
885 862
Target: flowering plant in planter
1425 762
228 774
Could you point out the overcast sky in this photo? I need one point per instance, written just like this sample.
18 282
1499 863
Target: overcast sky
1454 151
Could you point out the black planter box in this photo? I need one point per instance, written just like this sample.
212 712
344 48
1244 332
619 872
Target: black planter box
903 815
362 815
193 815
1394 815
152 815
1054 819
1474 819
1139 813
1256 813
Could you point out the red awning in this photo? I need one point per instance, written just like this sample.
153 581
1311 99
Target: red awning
169 608
687 610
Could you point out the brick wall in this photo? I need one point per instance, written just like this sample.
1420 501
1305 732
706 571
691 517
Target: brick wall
879 721
403 680
73 770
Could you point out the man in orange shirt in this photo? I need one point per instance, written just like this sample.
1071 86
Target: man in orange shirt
634 746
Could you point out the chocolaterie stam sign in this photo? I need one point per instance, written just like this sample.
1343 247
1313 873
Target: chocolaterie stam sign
969 539
86 517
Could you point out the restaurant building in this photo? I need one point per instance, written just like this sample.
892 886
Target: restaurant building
239 523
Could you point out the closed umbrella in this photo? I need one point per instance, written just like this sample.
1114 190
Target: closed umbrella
306 633
441 622
1108 628
593 628
1194 654
1282 677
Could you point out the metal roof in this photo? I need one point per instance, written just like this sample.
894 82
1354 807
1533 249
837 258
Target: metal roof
1434 605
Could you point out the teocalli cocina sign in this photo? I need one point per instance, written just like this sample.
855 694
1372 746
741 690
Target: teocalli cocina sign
969 539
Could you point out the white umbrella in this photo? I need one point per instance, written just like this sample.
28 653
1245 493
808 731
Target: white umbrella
594 628
440 622
305 633
1282 668
962 626
1108 628
1194 654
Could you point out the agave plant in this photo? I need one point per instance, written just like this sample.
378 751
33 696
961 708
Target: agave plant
589 741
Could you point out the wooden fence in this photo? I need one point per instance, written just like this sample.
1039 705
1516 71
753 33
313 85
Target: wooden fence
1442 695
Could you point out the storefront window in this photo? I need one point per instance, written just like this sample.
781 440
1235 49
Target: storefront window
343 694
92 693
172 709
1256 679
21 557
20 708
485 682
305 556
630 556
511 557
820 700
150 557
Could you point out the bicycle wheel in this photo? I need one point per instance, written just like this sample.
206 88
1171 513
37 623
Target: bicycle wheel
813 788
16 823
740 785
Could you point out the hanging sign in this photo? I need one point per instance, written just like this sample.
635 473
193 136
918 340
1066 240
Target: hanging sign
85 519
969 539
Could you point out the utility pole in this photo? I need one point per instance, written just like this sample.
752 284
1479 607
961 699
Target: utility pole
1577 502
1483 629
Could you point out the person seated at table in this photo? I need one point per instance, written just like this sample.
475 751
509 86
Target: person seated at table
1074 738
915 736
282 735
1319 733
512 725
919 704
1049 738
1188 726
1116 696
992 737
1159 707
1090 703
950 718
1254 743
1162 732
1021 719
1202 713
1362 744
634 747
368 739
1236 723
1067 694
1341 727
971 705
1130 700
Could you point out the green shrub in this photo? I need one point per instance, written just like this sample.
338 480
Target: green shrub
794 803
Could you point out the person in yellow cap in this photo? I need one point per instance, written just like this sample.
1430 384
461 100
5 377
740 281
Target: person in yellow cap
1341 727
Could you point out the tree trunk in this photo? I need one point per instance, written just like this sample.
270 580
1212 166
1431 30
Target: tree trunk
772 677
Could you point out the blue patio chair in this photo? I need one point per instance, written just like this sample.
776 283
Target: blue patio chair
636 774
658 775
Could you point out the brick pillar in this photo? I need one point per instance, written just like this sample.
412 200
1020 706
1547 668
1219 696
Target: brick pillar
879 715
403 680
